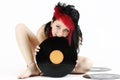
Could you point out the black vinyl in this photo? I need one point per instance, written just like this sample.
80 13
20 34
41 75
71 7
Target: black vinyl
56 70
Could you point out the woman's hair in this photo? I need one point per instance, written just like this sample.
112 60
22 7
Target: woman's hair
74 15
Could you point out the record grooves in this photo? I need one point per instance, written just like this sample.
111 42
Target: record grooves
55 57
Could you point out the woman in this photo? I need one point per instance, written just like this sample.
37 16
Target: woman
64 24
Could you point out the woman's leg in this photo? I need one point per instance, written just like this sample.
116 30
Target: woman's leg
27 42
83 65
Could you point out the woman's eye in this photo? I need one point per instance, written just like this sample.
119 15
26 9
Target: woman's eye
58 26
67 31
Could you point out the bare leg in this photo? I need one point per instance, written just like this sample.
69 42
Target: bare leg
27 42
83 65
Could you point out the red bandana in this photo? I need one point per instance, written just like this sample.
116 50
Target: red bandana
66 20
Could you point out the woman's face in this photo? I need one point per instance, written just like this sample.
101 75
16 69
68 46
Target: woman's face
59 29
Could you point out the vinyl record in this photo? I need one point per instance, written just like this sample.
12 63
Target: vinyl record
102 76
55 57
99 69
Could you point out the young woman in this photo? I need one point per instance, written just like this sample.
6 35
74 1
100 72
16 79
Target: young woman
63 24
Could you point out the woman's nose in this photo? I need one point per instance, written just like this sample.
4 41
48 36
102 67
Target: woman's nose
60 34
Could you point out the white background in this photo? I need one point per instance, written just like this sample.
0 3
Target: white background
99 22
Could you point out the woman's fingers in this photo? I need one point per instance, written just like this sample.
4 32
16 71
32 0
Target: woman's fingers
76 63
37 48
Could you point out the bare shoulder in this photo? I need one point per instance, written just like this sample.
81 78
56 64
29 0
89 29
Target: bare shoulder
41 29
41 34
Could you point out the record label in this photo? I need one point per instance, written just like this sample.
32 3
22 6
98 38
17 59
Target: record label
56 57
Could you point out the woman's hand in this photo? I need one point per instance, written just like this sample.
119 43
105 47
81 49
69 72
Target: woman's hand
37 49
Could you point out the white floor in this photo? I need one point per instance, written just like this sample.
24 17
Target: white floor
10 72
12 65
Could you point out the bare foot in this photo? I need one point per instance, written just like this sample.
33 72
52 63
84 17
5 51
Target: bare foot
30 71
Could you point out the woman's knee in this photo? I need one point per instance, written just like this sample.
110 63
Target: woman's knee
87 64
83 65
20 27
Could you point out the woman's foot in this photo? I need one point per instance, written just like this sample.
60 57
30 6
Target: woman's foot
31 70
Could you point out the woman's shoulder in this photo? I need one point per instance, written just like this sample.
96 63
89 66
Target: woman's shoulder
41 28
41 34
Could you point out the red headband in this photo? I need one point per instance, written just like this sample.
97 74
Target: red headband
66 20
